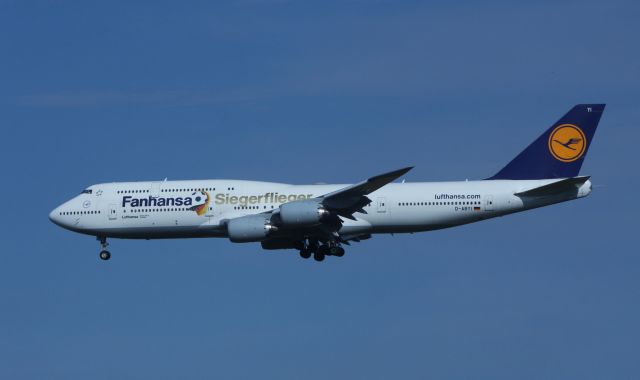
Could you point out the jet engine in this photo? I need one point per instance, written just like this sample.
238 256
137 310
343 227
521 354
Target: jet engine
302 213
250 228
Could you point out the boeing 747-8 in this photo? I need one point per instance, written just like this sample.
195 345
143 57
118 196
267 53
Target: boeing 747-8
318 220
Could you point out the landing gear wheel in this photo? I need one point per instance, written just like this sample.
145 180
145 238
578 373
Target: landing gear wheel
105 255
318 256
324 250
336 250
305 253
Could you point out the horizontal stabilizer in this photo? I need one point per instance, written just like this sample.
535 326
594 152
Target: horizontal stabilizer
555 187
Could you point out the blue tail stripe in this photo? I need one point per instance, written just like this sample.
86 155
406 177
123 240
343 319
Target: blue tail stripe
561 150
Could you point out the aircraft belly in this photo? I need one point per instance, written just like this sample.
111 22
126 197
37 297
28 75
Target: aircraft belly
159 232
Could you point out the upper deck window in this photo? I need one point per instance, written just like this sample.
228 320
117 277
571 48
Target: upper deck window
87 191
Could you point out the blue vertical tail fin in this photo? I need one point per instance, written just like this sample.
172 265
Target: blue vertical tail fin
560 151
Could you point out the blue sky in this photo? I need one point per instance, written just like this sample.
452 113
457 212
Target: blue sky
301 92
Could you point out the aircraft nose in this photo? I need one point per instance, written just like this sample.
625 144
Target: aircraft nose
54 216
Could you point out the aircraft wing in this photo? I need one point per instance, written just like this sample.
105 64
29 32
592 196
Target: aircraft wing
353 198
341 203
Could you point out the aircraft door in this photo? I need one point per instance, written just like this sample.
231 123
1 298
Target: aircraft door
488 203
155 189
113 211
381 204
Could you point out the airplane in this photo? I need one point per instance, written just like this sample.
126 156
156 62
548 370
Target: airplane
319 220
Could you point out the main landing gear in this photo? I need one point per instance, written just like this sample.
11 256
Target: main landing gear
319 252
104 254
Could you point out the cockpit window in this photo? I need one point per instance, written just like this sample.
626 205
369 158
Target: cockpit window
87 191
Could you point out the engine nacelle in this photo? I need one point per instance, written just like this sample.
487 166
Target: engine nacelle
250 228
302 213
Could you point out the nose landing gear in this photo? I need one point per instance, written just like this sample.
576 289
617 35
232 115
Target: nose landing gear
104 254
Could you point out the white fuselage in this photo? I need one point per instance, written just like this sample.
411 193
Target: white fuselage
175 209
